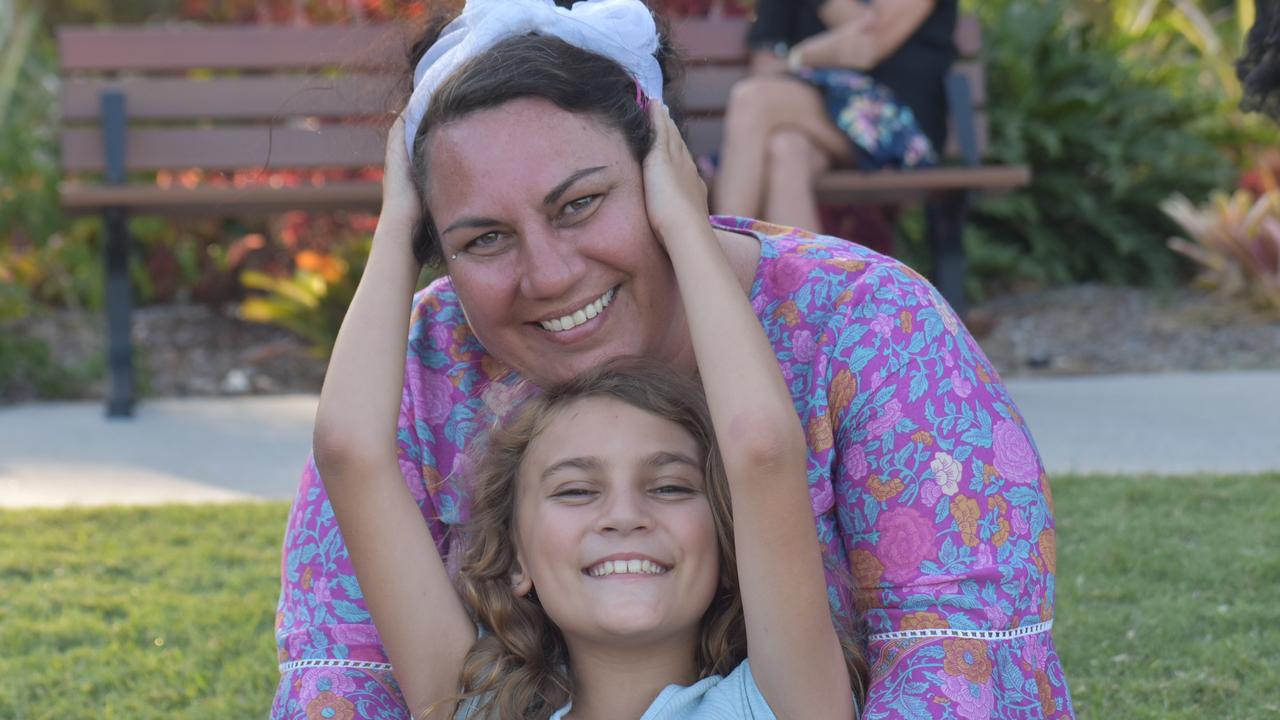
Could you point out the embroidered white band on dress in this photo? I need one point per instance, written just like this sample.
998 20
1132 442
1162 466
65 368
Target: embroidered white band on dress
622 30
333 663
1013 634
1023 631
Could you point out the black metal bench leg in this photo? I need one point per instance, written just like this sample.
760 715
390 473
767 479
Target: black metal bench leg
120 395
945 220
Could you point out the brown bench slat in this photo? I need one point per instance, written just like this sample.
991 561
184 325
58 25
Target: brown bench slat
940 178
704 135
706 88
230 148
206 200
178 48
241 98
719 40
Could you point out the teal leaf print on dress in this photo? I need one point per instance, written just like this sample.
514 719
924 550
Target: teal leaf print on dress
350 612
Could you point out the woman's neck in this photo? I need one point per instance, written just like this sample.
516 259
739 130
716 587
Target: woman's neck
614 682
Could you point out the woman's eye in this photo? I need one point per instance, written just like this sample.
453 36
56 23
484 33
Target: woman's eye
579 206
486 244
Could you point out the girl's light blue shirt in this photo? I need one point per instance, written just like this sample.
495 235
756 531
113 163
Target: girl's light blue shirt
728 697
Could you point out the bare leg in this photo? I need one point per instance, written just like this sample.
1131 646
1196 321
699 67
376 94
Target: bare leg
757 108
794 161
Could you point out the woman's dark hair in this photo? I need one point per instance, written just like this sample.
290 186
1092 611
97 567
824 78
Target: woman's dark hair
533 66
1259 67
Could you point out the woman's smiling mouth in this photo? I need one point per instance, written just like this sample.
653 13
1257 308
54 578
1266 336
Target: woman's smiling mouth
579 316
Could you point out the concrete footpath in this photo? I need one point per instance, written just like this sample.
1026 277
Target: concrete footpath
226 449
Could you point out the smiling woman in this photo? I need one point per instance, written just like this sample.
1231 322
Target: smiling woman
539 165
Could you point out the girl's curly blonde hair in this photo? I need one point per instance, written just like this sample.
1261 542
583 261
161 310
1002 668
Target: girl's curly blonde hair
519 668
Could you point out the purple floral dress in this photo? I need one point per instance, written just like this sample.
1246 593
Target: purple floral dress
924 480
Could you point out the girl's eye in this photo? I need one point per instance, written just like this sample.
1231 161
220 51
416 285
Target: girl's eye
580 206
573 494
673 490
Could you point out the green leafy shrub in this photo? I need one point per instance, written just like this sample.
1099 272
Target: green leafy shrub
1107 143
311 302
28 370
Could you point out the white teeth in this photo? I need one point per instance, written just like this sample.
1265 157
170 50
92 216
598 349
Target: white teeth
568 322
626 567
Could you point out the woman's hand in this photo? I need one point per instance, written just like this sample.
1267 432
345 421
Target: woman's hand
400 200
674 194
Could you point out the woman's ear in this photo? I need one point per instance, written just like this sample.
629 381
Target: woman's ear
521 583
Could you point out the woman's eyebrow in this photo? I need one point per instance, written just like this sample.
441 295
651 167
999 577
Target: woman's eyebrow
469 222
559 190
550 199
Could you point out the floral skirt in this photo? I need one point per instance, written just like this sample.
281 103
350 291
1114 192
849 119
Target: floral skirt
884 132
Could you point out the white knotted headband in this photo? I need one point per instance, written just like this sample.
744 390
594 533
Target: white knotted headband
621 30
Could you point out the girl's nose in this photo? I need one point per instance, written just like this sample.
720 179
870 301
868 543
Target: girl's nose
550 264
625 512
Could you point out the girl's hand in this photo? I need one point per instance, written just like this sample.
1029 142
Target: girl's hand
674 194
400 200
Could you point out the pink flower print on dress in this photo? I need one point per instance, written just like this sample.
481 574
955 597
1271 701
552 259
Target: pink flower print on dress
356 635
998 619
822 497
499 398
321 589
1020 525
803 346
973 701
441 337
434 397
948 316
323 680
855 463
890 414
1014 456
930 493
947 472
785 276
883 324
962 387
1034 652
906 540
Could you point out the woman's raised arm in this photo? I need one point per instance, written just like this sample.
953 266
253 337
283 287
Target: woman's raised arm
418 614
796 656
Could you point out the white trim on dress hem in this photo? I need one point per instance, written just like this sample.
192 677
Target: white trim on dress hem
1023 631
333 662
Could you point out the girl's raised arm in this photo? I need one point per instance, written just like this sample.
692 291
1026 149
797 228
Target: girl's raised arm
418 614
796 656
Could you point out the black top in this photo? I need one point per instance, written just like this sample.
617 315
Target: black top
914 72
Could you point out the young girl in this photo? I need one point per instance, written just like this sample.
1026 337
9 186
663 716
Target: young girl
617 564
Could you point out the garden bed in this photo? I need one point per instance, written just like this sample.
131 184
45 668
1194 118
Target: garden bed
196 350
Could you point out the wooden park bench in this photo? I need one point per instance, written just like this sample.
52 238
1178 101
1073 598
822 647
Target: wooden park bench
235 99
226 99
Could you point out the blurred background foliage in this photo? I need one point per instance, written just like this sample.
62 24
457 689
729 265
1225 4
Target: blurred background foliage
1117 105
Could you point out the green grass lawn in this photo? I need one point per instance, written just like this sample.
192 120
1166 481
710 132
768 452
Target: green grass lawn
1164 604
